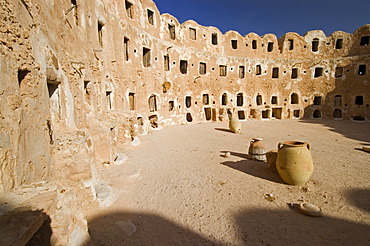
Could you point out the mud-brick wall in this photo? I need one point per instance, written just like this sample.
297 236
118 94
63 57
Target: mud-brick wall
81 79
25 149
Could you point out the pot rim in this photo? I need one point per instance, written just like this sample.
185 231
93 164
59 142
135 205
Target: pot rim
294 143
258 139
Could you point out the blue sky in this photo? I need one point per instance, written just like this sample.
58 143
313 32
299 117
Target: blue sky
272 16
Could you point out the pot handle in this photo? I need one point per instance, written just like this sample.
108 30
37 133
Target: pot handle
280 145
308 146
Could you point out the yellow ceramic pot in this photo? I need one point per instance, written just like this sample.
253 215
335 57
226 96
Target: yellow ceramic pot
235 125
294 162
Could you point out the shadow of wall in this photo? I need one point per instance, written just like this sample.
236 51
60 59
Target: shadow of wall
359 198
276 227
130 228
255 227
25 226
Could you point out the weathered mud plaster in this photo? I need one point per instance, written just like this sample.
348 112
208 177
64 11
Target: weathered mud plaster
80 80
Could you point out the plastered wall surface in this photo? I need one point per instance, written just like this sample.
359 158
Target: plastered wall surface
82 79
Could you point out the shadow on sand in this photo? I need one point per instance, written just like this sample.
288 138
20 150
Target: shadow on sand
356 130
223 130
359 198
253 227
255 168
266 227
25 226
125 228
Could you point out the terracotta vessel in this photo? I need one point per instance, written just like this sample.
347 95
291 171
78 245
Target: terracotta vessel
257 150
235 125
294 162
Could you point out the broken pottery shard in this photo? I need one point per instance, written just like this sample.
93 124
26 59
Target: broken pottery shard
120 159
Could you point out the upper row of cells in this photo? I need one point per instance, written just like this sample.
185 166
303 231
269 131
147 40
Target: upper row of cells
223 68
365 40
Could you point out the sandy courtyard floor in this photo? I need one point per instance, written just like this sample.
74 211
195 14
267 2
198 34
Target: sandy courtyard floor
177 188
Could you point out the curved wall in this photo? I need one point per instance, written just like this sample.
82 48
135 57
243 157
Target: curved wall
84 78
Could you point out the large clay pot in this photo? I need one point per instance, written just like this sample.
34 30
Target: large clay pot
235 125
257 150
294 162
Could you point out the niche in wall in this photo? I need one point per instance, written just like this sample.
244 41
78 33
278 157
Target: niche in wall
317 100
150 16
129 9
359 100
337 114
234 44
239 100
270 46
188 101
296 113
146 57
337 100
315 45
189 118
152 103
224 99
153 119
316 114
183 66
259 100
131 100
339 43
192 33
171 29
276 113
205 99
265 114
274 100
214 39
208 113
294 98
202 68
241 115
171 105
294 73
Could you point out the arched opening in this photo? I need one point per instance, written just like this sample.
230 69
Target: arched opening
259 100
274 100
338 100
188 101
224 99
316 114
239 99
337 114
317 100
153 103
188 117
294 98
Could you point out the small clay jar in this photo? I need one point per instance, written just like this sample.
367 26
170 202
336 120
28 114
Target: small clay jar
235 125
257 150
